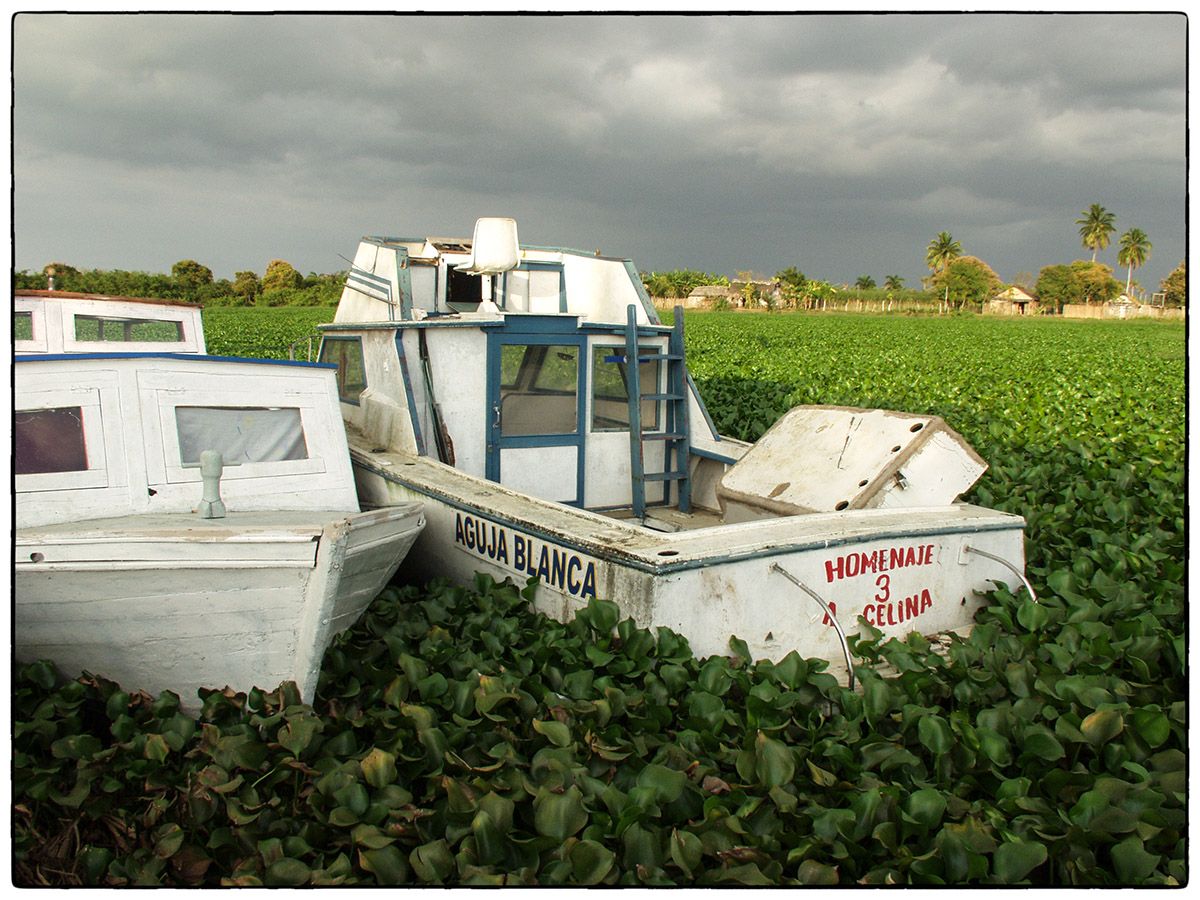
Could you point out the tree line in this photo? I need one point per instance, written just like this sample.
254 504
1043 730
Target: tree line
279 285
956 280
959 281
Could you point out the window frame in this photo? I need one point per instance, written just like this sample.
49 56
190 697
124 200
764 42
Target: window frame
103 320
345 339
39 343
89 401
659 423
505 293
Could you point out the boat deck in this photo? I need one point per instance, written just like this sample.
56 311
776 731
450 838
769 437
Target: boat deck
680 540
668 519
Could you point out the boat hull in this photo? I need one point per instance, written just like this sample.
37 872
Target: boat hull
178 603
899 570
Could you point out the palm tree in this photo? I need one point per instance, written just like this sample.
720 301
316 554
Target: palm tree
893 283
942 250
1135 250
1095 228
865 282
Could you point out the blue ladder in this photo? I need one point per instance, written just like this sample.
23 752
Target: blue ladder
677 446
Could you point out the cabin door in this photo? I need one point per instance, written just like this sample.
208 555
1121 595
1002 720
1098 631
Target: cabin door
535 414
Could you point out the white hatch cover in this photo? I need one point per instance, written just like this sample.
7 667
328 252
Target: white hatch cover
831 458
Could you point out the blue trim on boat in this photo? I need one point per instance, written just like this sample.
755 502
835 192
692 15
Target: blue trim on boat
619 330
408 393
546 331
664 568
538 324
708 454
188 357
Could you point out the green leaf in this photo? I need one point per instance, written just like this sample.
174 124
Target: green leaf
387 864
994 746
667 784
1039 742
686 850
1016 859
1133 864
287 872
556 733
926 806
167 840
603 616
432 862
1102 726
489 843
82 746
500 809
559 815
934 732
877 698
1152 726
298 732
156 748
774 762
820 776
591 862
379 768
813 872
1032 615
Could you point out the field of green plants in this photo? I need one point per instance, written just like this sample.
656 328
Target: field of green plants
458 738
262 332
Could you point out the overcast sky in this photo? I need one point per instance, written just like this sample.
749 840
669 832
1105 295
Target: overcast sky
837 144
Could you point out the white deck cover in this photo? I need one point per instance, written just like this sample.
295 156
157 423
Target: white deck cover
829 459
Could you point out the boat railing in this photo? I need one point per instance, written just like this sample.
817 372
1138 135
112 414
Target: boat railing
829 614
307 342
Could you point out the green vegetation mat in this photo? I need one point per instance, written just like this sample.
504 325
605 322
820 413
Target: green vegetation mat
459 738
263 332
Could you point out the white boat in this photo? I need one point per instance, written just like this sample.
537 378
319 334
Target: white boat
490 381
186 521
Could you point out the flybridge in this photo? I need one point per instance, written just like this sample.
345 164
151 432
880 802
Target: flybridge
532 398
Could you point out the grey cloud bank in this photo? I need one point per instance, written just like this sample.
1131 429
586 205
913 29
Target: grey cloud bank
838 144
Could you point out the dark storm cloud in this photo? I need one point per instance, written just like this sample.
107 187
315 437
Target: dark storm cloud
841 144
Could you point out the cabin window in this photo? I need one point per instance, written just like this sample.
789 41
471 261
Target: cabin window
346 353
22 326
464 292
539 389
49 440
242 434
105 328
610 391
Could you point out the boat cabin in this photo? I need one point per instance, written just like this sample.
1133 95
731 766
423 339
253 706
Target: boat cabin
516 364
102 436
65 322
513 365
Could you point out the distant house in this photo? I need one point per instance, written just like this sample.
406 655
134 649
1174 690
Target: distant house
708 295
1012 301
